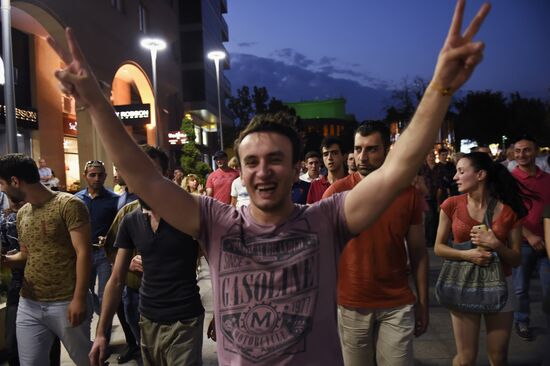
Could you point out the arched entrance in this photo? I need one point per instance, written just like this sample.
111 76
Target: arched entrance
132 93
47 138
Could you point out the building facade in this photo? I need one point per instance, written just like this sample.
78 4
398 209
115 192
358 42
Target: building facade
322 118
204 29
109 32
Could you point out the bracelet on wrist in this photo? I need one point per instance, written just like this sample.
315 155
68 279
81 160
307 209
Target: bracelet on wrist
444 91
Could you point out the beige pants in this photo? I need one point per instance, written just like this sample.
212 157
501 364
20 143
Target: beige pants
178 343
376 336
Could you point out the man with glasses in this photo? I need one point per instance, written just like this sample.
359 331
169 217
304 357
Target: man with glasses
102 205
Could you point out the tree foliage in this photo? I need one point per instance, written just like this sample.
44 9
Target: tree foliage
246 104
405 100
484 116
481 116
191 159
487 116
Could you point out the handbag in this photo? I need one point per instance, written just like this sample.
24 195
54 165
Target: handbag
467 287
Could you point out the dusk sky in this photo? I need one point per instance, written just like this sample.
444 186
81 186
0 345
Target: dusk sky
361 49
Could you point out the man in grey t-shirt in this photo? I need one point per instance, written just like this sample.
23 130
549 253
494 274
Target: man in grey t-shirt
274 264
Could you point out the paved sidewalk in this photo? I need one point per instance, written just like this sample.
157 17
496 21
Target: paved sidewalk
434 348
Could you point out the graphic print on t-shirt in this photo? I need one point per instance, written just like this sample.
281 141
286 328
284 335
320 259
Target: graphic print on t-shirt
268 292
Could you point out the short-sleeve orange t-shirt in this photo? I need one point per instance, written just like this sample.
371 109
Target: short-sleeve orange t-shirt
373 270
456 210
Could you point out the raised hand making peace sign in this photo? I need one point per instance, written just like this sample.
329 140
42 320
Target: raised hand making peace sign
459 55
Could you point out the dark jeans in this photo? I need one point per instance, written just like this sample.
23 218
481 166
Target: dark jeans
130 299
101 270
530 260
126 328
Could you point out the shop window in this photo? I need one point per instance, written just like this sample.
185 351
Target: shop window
204 138
72 167
68 105
198 135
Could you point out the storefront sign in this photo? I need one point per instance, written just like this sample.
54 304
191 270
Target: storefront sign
134 114
25 117
70 126
177 138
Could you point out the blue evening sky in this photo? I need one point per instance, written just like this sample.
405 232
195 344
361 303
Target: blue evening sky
378 43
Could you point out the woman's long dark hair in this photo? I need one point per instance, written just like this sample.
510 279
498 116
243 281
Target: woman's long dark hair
502 185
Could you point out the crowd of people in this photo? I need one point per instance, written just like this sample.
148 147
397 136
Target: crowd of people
314 259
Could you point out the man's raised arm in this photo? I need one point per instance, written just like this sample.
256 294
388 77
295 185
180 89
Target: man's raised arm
78 80
456 62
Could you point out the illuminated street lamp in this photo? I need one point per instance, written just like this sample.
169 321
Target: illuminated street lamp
154 45
216 56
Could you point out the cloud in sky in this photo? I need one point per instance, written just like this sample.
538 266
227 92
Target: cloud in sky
291 77
330 66
246 44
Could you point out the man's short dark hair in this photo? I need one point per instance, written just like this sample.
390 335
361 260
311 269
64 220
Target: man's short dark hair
281 123
156 153
525 137
332 140
312 154
443 150
18 165
220 155
368 128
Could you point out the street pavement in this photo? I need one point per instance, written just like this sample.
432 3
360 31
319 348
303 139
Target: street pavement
436 347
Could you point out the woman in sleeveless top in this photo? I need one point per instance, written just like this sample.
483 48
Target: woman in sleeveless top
479 180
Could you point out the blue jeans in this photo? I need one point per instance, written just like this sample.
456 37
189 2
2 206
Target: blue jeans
101 269
39 322
530 260
130 299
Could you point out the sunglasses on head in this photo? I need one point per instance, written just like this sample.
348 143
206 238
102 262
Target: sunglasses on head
94 163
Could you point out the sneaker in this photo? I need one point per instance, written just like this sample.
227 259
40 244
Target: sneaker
523 331
131 354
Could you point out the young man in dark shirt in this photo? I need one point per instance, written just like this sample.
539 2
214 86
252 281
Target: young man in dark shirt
171 311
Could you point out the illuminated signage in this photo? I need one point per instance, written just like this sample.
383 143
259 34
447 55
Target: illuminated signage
70 125
177 138
26 117
134 114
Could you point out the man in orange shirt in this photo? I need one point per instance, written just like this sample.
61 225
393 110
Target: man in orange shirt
377 310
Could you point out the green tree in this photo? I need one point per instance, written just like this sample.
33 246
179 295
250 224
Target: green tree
241 106
528 116
405 100
245 105
260 99
486 116
191 159
481 116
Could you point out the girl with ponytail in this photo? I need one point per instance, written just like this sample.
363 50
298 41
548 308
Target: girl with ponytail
480 180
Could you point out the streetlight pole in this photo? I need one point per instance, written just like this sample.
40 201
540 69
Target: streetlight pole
154 45
9 94
216 56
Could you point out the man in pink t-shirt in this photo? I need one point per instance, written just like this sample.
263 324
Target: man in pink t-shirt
274 264
218 184
533 250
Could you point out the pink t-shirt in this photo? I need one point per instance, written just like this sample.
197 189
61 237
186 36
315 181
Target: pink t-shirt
540 184
220 182
275 285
